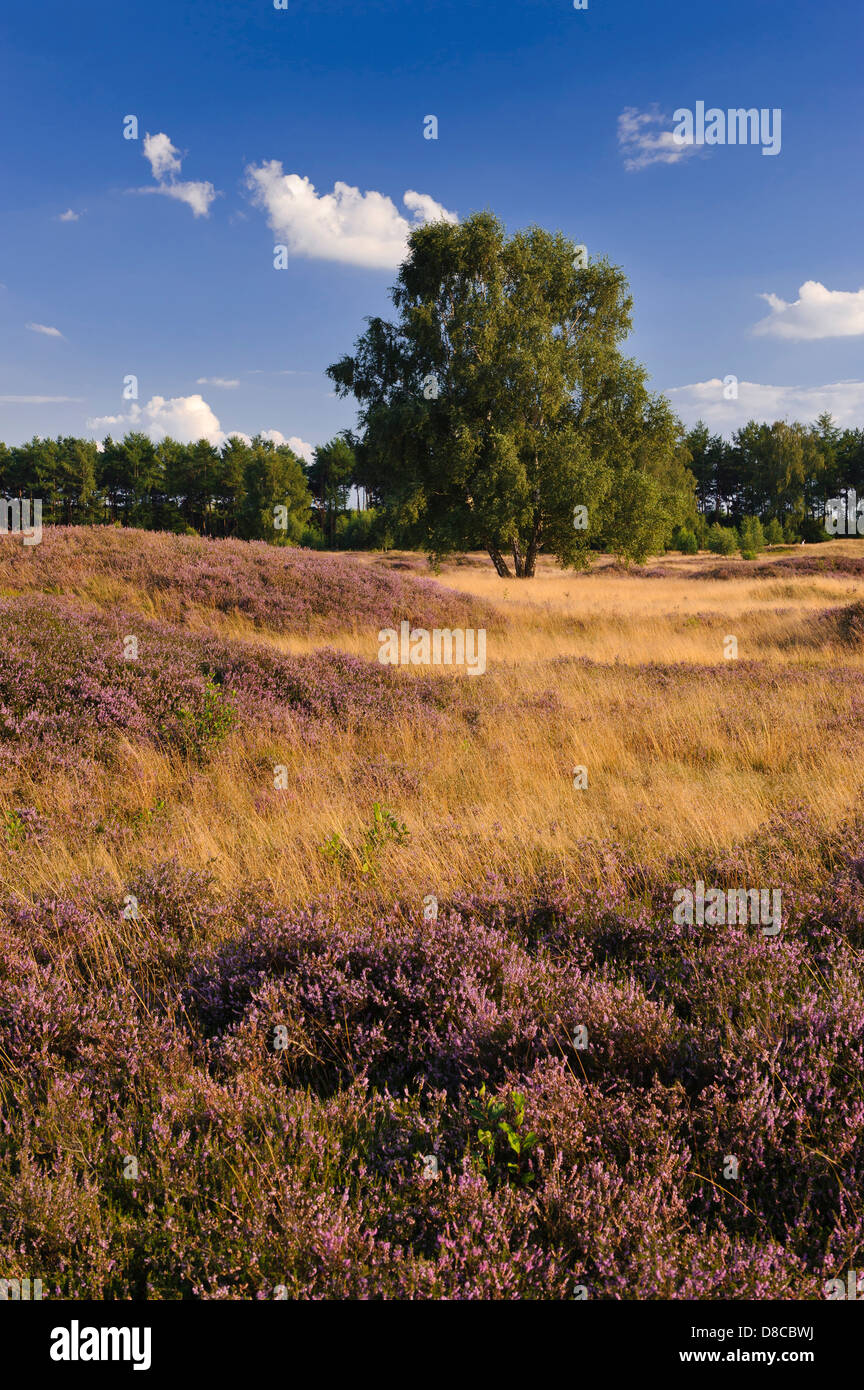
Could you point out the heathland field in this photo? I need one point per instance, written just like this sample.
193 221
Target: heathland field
360 980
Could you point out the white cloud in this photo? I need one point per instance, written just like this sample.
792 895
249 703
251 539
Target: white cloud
222 381
186 419
163 157
704 400
44 328
816 313
40 400
423 208
165 163
69 216
294 442
197 196
346 225
644 139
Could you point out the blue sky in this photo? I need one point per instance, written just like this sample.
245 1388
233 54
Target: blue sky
532 101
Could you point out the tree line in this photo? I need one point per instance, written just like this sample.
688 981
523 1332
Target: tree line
783 473
186 488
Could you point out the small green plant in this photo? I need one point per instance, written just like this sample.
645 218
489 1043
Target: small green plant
504 1144
203 728
385 829
15 827
149 814
336 850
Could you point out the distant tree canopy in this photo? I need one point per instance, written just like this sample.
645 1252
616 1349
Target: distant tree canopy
331 475
783 472
498 403
231 491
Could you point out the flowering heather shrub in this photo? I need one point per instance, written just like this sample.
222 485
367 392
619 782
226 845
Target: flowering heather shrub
301 1165
850 623
447 1004
277 588
64 683
825 562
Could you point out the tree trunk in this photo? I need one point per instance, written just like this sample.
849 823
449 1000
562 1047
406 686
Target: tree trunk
517 559
531 552
499 562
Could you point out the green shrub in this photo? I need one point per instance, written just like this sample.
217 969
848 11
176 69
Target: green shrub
812 529
205 727
311 538
684 539
385 829
504 1143
15 827
721 540
751 537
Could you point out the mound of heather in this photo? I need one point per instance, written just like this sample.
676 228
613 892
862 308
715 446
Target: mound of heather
283 1080
848 623
822 562
66 683
278 588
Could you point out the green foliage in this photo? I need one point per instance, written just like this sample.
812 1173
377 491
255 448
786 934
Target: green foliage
812 530
149 814
385 829
684 539
15 827
330 476
272 477
722 540
785 471
202 729
188 489
751 537
495 463
499 401
367 530
504 1145
774 532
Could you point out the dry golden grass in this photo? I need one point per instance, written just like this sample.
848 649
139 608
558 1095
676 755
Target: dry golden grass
686 753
